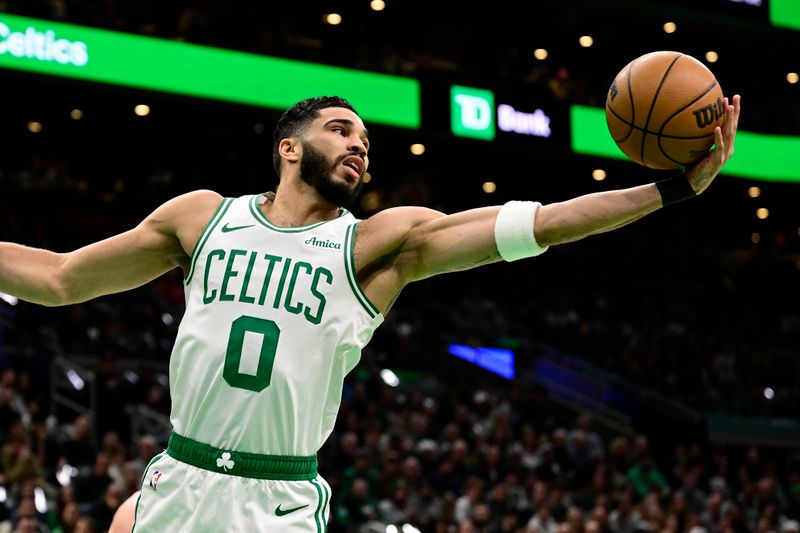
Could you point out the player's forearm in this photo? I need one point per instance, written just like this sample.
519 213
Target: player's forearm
594 213
31 274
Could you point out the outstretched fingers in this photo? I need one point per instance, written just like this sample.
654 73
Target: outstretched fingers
731 123
719 148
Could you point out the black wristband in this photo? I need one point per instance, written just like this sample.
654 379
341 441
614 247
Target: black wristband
675 189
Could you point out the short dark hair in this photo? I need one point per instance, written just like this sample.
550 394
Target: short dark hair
297 118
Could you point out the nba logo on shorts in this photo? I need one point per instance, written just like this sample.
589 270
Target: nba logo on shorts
154 480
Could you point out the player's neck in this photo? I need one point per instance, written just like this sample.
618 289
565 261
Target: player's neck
296 204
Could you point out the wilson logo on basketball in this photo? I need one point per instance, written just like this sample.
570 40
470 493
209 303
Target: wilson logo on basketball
707 115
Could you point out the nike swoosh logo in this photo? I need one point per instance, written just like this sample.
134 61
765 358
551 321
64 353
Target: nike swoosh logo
227 229
281 512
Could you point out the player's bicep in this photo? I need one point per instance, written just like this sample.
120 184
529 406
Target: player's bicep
449 243
119 263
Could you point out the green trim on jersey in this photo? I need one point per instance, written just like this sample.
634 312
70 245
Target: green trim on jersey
264 221
212 223
144 475
350 268
242 464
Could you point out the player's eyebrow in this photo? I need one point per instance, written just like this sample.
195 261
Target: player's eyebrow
346 122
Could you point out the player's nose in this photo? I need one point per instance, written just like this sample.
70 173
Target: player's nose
357 146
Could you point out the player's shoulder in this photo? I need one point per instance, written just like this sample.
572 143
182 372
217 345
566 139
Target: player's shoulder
186 210
200 197
197 201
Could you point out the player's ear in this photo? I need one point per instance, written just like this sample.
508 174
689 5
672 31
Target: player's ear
289 149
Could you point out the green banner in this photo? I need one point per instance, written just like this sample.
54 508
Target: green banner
121 59
785 13
757 155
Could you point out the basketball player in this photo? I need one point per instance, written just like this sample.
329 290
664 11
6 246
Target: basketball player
283 290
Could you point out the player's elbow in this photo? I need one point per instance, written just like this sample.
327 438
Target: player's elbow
60 284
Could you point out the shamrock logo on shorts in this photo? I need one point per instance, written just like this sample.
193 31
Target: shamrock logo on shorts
225 461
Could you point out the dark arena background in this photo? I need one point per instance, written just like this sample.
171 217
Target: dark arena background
647 379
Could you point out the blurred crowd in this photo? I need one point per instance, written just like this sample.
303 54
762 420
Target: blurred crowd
470 454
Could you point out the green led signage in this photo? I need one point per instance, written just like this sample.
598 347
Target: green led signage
472 112
90 54
785 13
758 156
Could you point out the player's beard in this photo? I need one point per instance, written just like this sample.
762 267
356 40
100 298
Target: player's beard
317 170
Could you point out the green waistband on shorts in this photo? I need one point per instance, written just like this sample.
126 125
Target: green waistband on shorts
243 464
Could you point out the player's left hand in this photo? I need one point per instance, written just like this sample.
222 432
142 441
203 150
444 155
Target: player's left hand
702 173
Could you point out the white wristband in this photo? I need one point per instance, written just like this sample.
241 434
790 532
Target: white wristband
513 231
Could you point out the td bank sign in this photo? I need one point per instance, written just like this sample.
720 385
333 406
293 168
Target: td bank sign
473 114
31 43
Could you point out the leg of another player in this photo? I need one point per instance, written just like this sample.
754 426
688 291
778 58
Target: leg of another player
124 516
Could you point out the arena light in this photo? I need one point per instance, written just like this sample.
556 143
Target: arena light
670 27
65 474
758 156
540 54
390 378
417 148
40 500
792 77
334 19
75 379
90 54
76 114
599 174
7 298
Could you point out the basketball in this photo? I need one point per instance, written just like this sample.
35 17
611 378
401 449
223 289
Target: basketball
662 109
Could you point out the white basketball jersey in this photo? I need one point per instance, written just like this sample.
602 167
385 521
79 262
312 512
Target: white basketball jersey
275 319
